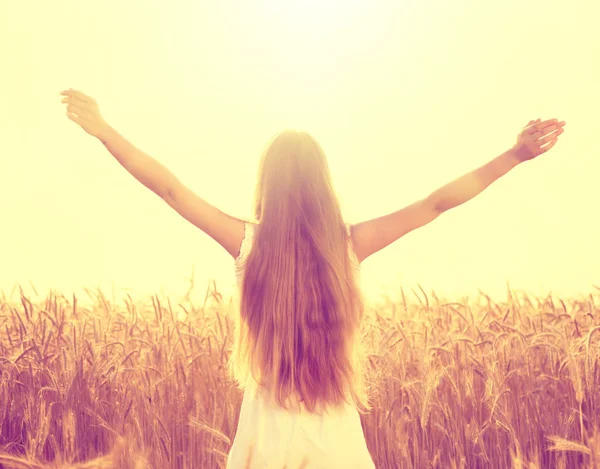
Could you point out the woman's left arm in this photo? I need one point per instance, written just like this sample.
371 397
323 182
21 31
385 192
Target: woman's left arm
140 165
84 111
228 231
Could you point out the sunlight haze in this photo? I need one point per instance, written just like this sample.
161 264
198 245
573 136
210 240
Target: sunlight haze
403 96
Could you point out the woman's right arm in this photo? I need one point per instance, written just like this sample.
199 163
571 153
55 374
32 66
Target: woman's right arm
373 235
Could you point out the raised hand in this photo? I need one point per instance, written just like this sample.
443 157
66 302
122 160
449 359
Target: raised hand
84 111
536 138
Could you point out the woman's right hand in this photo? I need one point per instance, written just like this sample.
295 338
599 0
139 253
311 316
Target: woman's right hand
537 138
84 111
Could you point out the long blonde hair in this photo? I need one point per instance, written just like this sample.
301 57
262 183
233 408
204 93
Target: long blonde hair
300 303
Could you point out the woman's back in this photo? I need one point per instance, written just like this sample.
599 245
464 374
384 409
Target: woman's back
274 437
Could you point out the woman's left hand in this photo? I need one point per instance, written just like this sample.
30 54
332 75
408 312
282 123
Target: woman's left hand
84 111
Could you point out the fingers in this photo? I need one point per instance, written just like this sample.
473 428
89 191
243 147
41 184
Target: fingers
77 95
75 104
552 133
544 149
77 109
531 122
74 101
551 137
78 102
553 127
549 132
73 117
553 124
541 125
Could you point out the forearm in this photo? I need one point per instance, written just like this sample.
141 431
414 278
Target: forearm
473 183
141 166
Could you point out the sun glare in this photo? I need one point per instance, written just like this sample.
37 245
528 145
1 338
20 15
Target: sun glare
311 20
315 13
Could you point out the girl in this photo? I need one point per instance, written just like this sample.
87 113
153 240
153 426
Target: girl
297 353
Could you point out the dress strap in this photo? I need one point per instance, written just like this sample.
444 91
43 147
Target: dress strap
246 243
353 256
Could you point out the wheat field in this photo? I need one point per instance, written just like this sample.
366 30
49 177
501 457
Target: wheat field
455 384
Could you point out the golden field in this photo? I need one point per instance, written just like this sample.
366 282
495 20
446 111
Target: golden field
460 384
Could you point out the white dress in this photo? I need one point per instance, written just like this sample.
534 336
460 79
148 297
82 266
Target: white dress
282 438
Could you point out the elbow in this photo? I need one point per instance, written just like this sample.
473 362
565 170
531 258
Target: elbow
436 206
171 188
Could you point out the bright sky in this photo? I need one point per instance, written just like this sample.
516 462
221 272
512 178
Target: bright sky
404 96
